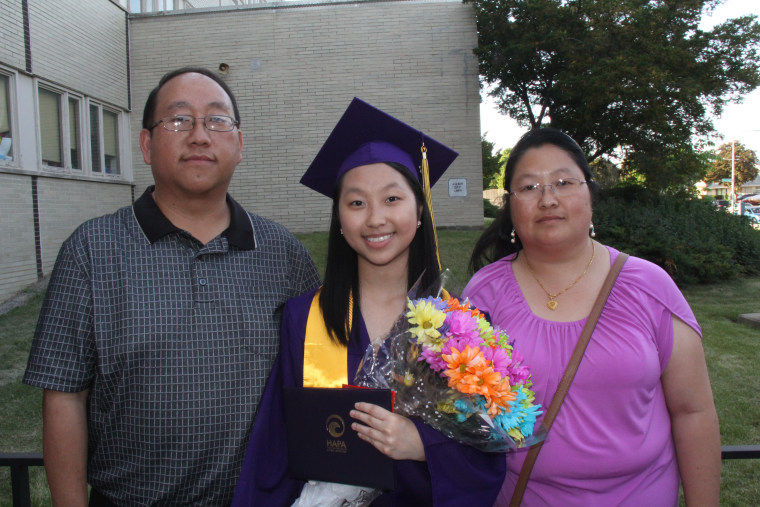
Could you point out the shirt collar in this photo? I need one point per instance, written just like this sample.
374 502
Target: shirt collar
155 225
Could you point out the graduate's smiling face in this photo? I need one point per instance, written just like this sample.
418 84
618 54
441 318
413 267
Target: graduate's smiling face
378 215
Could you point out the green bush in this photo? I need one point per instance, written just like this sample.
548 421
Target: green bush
689 238
489 209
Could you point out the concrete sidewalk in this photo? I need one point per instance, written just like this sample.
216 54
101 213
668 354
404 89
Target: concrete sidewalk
751 319
24 296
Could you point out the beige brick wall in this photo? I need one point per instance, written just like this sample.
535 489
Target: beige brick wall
12 34
64 204
81 45
295 69
18 264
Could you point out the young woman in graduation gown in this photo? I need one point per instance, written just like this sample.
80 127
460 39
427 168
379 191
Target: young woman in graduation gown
381 241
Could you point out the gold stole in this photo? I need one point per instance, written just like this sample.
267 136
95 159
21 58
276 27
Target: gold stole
325 363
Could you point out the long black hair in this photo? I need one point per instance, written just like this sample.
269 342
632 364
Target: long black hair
495 242
342 272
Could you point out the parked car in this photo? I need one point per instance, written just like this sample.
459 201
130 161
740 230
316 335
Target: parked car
753 213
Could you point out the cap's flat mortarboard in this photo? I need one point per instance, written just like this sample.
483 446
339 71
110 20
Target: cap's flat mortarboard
366 135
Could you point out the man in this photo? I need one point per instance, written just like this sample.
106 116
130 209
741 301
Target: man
161 321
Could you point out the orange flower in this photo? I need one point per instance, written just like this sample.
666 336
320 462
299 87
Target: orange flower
454 304
479 381
498 398
463 363
470 373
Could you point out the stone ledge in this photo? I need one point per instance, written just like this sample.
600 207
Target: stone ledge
752 319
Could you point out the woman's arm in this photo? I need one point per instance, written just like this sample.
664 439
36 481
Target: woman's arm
693 417
392 434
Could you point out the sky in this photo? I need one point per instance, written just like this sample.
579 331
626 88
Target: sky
739 121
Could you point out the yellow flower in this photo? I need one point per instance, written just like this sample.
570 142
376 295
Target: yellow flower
447 407
426 319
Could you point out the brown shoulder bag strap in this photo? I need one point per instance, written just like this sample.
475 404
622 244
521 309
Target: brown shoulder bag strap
567 378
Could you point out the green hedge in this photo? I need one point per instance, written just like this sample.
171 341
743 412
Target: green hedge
489 210
691 239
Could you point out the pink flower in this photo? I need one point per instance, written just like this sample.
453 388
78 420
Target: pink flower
433 358
463 326
500 359
518 373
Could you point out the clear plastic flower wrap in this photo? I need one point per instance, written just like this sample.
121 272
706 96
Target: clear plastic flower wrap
457 373
330 494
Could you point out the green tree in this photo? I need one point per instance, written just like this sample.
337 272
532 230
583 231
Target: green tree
671 168
606 174
745 164
493 170
632 74
503 157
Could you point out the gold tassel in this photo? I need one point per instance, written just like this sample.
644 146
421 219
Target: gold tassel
429 198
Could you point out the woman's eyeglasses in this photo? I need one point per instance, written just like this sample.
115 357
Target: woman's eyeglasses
561 187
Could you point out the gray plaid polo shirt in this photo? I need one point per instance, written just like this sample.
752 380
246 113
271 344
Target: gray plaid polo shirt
175 341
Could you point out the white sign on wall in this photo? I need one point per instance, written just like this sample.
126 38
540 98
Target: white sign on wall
458 187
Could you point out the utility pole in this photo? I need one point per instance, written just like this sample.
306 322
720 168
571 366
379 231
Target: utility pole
733 172
733 177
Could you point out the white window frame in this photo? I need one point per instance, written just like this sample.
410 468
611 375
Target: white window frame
82 123
88 114
32 130
120 140
12 118
149 6
65 135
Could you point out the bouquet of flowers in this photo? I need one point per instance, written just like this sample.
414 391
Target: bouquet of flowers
456 372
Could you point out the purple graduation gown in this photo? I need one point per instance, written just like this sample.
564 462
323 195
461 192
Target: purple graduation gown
453 475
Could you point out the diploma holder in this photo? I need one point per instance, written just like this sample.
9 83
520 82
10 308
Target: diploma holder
321 444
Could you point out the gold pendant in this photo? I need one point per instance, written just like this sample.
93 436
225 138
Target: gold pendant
551 305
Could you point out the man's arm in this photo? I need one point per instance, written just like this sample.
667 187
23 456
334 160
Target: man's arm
64 446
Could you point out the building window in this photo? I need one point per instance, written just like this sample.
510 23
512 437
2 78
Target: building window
97 164
111 142
6 133
75 136
50 127
104 140
167 5
60 118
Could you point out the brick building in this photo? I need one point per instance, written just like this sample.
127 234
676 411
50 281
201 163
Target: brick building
74 76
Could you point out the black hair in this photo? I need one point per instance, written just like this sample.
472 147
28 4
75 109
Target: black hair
495 242
341 281
150 104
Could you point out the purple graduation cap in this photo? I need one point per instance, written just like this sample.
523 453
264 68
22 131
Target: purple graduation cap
366 135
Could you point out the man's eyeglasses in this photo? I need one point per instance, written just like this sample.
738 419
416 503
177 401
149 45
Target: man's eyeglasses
561 187
215 123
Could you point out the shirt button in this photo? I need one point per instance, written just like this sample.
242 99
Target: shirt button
202 281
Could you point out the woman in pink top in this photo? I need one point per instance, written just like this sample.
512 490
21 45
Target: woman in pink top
639 416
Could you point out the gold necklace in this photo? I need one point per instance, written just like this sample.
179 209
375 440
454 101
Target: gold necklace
552 303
